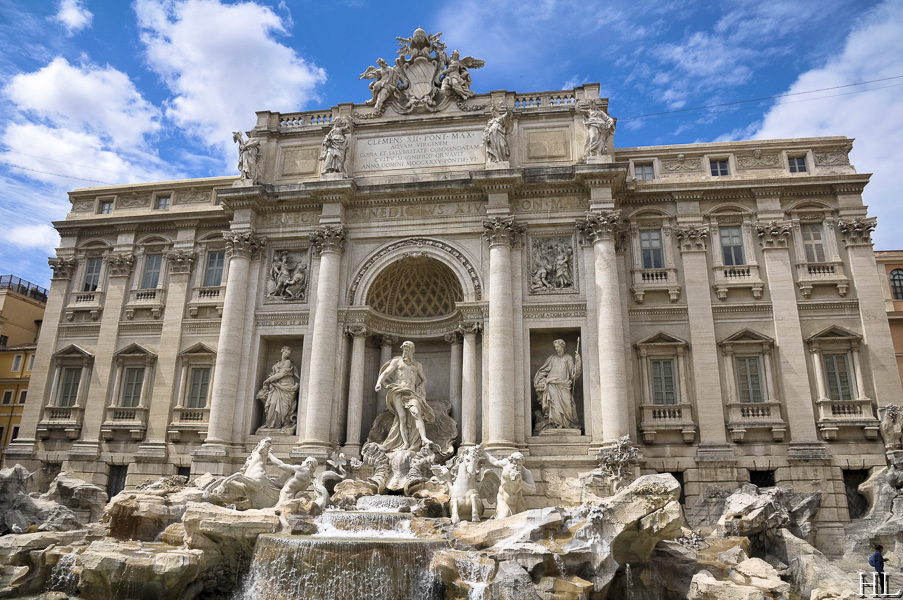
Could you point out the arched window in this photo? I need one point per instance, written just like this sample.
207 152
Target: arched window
896 283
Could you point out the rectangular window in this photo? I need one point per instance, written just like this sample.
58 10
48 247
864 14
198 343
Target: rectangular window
92 274
8 397
162 203
719 167
116 479
22 395
17 363
651 248
106 207
837 373
15 433
643 171
69 387
198 386
213 273
813 241
151 277
664 385
797 164
749 379
3 340
732 246
30 363
131 387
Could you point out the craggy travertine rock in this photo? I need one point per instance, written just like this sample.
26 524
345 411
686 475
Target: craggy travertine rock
706 587
27 555
749 511
512 582
85 499
18 508
134 570
559 588
757 573
517 528
811 572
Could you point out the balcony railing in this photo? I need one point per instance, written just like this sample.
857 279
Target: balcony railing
213 296
810 274
23 288
188 421
647 280
755 415
737 277
661 418
858 413
61 418
125 418
152 299
544 100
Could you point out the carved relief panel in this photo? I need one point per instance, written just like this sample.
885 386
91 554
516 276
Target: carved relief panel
288 275
552 265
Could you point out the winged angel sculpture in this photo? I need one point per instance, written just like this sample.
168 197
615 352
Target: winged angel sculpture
423 77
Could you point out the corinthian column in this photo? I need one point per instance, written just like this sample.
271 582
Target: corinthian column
502 233
358 334
600 229
328 241
240 247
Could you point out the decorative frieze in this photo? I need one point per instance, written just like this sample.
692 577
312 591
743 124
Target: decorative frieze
120 263
682 164
570 310
83 206
245 244
281 319
192 197
831 158
288 276
328 239
599 226
180 261
758 160
693 238
773 234
134 201
63 268
858 231
503 230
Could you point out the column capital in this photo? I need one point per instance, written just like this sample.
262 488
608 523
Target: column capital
773 234
356 331
245 244
596 227
503 230
328 239
180 261
857 231
120 263
470 328
692 238
63 268
453 338
387 340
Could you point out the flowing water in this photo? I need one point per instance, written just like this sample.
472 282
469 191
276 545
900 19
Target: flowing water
477 575
62 579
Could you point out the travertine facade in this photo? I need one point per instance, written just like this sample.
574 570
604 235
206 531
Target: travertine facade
724 296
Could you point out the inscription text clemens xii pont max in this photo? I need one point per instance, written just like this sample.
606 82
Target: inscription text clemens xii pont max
421 150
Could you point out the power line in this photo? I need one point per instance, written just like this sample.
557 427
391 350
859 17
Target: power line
54 174
735 102
68 163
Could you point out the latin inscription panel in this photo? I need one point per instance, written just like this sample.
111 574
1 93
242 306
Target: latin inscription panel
440 149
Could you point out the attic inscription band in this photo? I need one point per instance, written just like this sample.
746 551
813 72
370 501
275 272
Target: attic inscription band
423 150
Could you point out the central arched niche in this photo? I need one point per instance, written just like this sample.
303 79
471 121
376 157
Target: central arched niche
415 287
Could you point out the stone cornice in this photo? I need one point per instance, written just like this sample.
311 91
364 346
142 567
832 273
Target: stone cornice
498 180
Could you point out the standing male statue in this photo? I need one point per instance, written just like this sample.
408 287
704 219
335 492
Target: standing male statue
406 400
554 382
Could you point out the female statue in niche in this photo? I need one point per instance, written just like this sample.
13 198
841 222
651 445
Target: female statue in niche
280 395
554 382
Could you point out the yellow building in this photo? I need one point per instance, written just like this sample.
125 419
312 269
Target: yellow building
21 312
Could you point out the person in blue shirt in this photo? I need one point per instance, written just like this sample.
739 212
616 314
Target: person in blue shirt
878 561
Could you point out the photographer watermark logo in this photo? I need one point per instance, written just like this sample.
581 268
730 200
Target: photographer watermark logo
876 587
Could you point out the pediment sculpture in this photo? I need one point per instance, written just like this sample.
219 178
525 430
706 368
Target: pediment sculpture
423 78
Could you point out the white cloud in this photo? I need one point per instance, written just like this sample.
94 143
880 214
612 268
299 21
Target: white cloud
42 236
222 63
99 100
73 15
873 50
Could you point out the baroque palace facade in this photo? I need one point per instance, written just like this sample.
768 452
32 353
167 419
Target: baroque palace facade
723 297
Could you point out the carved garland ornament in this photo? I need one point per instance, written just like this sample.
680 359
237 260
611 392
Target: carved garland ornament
503 231
773 234
857 232
417 241
245 244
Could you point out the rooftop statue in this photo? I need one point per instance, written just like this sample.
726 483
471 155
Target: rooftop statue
423 78
599 129
248 156
335 144
495 135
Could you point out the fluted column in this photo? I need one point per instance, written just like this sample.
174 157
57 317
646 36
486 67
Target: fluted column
358 335
454 375
469 384
502 233
241 247
329 241
600 229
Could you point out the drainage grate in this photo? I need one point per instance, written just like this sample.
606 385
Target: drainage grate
857 504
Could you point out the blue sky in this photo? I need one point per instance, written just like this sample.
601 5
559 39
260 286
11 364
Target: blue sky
110 91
